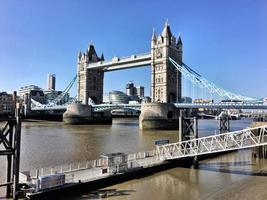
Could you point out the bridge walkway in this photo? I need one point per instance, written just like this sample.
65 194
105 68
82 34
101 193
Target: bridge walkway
246 138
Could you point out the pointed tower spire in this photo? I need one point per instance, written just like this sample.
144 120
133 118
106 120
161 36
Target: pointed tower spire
154 38
179 40
167 22
166 31
80 54
102 57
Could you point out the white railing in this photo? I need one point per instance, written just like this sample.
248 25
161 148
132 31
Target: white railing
92 169
247 138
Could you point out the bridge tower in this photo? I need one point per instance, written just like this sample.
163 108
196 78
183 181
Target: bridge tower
89 81
165 79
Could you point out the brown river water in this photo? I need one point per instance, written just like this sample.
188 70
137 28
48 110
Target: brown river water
231 176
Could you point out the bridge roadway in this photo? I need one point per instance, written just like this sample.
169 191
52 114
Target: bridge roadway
119 63
102 107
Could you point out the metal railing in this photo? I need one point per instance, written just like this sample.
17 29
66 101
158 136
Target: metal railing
246 138
92 169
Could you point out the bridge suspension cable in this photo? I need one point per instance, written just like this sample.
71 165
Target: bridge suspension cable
200 81
64 93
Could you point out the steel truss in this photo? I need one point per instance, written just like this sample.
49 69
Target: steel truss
246 138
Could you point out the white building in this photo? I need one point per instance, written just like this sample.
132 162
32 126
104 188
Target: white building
7 105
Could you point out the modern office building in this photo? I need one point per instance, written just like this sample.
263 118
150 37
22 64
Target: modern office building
34 91
6 103
133 92
51 81
130 90
26 90
118 97
140 91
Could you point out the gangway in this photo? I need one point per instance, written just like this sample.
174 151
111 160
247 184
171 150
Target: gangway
246 138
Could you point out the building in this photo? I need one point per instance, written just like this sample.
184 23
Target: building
130 89
186 100
51 81
140 91
135 93
203 101
89 81
118 97
165 78
26 90
7 104
34 92
106 98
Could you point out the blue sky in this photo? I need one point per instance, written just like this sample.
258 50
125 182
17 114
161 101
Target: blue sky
223 40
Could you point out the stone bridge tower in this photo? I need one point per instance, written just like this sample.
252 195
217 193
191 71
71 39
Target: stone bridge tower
165 78
89 81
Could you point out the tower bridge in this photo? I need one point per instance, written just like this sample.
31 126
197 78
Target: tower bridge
167 67
165 79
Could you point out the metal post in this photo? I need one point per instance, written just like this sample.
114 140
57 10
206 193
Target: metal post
180 133
17 155
195 161
9 162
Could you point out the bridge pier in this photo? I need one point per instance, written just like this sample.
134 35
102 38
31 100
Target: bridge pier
83 114
161 116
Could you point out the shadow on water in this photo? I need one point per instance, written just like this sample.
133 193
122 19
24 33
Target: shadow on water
106 193
225 164
218 167
126 124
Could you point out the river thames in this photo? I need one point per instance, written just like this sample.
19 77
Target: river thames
232 176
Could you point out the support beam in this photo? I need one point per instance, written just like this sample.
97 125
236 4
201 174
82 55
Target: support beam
10 136
224 124
188 130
